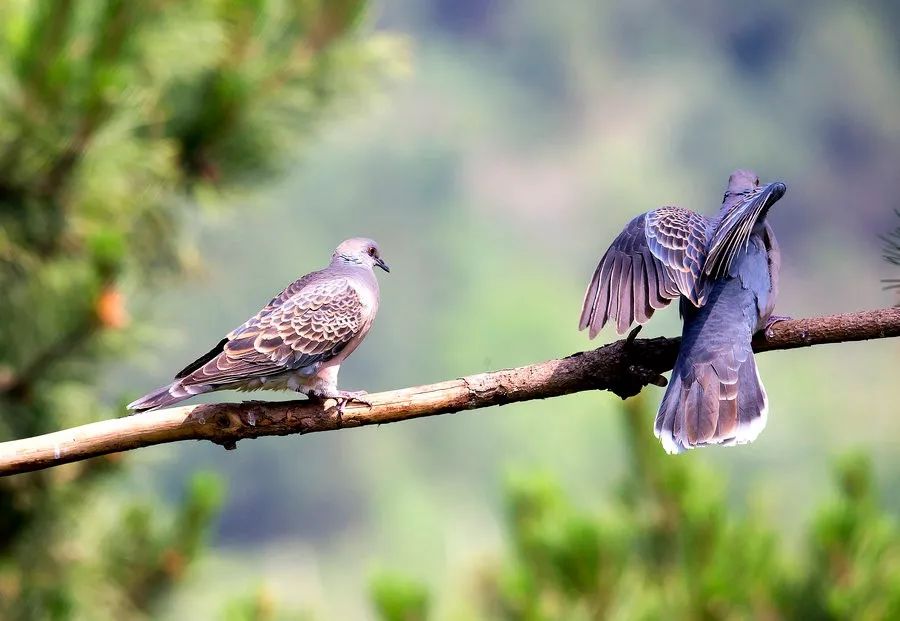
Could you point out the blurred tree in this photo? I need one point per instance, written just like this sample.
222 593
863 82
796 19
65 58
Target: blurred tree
113 116
672 546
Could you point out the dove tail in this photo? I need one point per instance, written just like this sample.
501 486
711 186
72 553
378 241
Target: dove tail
706 403
167 395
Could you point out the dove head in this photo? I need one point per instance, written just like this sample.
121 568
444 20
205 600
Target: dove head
742 181
359 251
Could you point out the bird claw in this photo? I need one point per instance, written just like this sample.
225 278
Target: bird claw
342 398
771 321
637 377
354 396
629 340
648 376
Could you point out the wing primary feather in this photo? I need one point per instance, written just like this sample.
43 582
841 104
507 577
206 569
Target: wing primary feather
590 299
601 313
614 279
724 252
641 295
202 360
744 236
654 293
732 232
741 235
626 297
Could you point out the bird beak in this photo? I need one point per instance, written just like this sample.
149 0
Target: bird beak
382 264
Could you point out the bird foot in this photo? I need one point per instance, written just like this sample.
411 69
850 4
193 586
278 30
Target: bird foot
771 321
342 398
635 376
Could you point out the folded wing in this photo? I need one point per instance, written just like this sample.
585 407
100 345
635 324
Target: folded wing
309 322
658 257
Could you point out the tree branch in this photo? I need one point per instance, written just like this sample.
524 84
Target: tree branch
623 367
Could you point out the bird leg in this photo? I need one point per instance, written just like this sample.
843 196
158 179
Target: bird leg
771 321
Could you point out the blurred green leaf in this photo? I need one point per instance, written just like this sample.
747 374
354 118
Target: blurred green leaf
397 598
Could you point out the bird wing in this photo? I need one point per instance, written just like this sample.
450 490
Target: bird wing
311 321
732 231
656 258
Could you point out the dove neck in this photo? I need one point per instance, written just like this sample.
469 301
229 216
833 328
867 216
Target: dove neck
347 260
350 263
356 269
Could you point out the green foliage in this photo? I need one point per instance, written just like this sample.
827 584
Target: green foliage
673 545
397 598
260 606
854 552
144 559
108 566
116 117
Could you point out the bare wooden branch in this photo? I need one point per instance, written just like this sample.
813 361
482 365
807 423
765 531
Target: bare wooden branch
623 367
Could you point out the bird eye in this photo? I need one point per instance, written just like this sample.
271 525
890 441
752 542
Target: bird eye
757 181
371 252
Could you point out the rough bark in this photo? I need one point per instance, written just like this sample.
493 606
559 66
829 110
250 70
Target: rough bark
623 367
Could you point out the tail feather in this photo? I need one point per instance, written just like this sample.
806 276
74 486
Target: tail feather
753 403
727 425
165 396
668 425
710 404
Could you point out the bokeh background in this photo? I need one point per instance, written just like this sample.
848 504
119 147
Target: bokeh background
166 169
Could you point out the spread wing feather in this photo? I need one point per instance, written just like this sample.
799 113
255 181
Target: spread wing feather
658 257
735 225
310 321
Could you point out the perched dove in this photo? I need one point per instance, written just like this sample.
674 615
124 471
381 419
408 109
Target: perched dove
297 342
725 272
